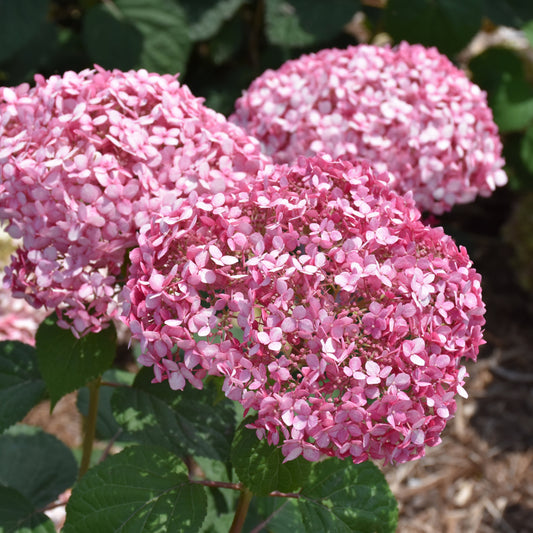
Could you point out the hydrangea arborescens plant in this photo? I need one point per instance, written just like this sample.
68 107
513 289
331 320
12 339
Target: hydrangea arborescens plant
84 160
407 109
330 309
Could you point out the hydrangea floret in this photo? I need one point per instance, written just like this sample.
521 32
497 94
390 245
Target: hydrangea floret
407 109
85 158
329 308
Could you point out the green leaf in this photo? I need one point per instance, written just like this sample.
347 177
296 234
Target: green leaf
447 24
68 363
21 384
260 466
140 489
344 497
206 17
526 149
111 42
500 72
281 515
224 45
293 23
187 422
17 514
19 22
106 425
150 34
513 13
36 464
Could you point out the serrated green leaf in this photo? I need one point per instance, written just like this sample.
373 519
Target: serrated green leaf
206 17
186 422
500 72
260 466
18 515
68 363
140 489
280 515
106 425
36 464
294 23
19 22
344 498
447 24
21 384
159 26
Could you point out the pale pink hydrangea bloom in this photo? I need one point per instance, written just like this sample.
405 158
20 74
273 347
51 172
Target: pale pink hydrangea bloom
407 109
84 160
326 304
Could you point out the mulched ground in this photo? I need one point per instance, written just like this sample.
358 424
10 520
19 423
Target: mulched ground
480 478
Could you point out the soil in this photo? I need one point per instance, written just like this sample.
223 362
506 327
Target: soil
480 478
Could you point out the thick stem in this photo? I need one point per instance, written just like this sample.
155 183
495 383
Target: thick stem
242 509
89 426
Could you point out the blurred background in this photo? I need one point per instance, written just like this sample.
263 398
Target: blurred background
480 479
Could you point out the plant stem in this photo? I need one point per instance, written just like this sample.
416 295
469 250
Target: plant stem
242 509
89 426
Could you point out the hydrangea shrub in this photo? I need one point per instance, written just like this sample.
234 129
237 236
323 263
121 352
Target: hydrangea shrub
406 109
328 307
85 158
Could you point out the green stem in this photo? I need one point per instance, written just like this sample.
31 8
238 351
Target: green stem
242 509
89 426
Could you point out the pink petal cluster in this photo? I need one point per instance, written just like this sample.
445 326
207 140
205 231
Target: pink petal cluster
407 109
85 158
328 307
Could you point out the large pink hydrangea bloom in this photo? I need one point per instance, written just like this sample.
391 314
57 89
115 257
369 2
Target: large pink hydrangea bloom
84 160
407 109
327 305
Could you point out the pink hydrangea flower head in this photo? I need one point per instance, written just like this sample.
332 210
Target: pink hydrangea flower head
328 307
85 158
407 109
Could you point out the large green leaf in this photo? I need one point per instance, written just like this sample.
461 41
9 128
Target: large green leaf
260 466
36 464
20 20
206 17
500 72
447 24
280 515
106 425
21 384
513 13
68 363
18 515
186 422
297 23
140 489
150 34
344 498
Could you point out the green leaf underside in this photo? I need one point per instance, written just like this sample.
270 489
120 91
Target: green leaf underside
186 422
293 24
260 466
18 515
140 489
150 34
106 425
36 464
68 363
21 385
447 24
344 497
